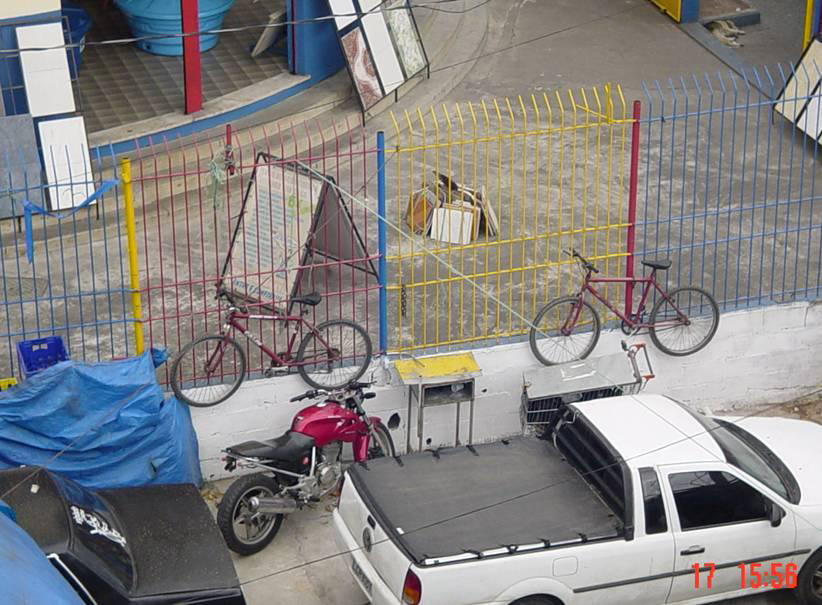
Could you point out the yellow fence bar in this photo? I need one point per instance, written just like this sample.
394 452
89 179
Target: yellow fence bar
806 32
489 195
133 269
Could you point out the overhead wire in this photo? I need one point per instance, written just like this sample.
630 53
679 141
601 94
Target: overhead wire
430 5
535 39
113 411
539 489
542 488
501 502
396 228
462 62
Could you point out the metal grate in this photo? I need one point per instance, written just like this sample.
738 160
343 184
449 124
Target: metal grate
545 410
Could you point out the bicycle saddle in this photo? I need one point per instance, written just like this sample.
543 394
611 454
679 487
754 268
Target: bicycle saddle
312 299
658 264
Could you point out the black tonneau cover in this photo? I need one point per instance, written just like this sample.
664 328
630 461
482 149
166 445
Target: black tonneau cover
173 550
176 545
451 503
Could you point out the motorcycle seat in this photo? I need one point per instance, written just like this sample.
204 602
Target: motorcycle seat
288 447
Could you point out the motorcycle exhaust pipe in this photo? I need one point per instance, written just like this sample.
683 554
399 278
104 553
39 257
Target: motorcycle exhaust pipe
273 506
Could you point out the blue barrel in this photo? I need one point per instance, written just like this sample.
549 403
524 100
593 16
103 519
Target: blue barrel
158 17
76 23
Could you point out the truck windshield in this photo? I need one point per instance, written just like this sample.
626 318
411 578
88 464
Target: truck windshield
750 455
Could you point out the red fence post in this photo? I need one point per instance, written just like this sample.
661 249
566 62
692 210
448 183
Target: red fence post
191 56
632 193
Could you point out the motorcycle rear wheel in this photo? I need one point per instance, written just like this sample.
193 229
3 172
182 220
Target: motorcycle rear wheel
245 532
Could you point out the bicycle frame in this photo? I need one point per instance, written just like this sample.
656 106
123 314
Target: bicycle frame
631 321
234 321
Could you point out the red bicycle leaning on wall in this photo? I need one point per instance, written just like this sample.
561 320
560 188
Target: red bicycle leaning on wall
210 369
682 321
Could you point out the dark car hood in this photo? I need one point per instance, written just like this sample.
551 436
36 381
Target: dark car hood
173 540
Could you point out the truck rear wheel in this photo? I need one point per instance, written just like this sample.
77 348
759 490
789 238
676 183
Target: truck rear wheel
809 585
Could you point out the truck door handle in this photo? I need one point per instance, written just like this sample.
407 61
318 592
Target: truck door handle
693 550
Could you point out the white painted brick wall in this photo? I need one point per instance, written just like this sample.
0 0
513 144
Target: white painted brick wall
759 356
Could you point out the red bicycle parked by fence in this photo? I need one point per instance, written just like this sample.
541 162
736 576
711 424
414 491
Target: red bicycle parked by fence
331 355
682 321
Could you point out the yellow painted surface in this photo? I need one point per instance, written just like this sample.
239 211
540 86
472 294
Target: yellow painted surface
439 366
806 34
553 168
12 9
672 7
133 269
6 383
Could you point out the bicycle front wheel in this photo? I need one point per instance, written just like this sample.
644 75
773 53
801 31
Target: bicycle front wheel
208 371
564 330
684 322
334 354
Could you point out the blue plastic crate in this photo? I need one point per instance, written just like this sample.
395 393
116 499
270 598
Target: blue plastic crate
40 353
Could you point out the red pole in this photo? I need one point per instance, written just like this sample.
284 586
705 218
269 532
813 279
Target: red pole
229 151
191 56
632 193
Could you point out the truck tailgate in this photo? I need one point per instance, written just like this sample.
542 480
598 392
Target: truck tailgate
514 492
387 561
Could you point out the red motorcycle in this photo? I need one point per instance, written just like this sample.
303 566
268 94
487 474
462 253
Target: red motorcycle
300 466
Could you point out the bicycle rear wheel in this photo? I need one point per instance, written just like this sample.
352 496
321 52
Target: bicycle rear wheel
550 339
210 369
333 354
685 322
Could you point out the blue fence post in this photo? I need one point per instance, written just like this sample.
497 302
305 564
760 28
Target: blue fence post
382 242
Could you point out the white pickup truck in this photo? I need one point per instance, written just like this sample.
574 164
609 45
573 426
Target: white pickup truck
629 500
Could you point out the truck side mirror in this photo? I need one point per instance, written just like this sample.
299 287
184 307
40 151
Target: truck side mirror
776 514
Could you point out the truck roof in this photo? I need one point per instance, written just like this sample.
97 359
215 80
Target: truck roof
651 430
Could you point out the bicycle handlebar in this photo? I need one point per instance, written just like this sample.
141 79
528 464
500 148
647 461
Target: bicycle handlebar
589 266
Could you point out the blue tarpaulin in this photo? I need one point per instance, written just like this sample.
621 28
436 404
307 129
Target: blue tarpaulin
26 576
101 424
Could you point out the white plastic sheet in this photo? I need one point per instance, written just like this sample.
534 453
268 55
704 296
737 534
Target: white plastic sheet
45 72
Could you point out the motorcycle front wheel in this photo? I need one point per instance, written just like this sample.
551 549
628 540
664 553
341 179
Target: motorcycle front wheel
247 532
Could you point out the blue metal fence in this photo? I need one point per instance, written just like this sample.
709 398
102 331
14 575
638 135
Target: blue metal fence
728 186
63 273
727 190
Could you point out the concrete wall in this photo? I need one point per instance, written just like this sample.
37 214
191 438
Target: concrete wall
12 9
757 357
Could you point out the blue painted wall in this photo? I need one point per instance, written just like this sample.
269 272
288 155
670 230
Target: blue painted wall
689 11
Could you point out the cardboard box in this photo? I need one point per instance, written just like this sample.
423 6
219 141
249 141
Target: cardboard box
455 223
418 214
